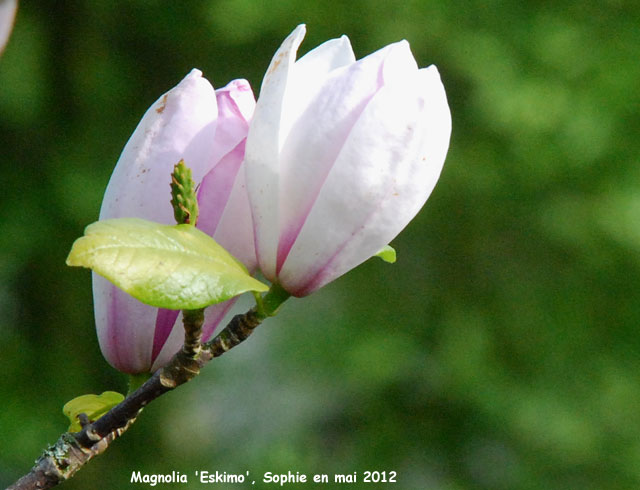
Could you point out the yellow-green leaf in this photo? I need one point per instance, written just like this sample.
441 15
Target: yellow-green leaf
94 406
175 267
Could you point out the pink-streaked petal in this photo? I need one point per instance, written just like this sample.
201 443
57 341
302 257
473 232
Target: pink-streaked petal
165 321
171 346
215 190
262 151
235 109
125 327
8 10
382 177
320 133
180 125
235 228
213 316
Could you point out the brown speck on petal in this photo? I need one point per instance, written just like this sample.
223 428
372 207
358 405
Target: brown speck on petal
163 104
276 63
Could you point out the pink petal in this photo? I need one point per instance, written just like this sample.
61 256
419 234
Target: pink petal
165 321
235 227
215 189
117 314
235 109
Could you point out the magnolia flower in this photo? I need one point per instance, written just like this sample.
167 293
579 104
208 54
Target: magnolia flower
207 129
341 155
7 16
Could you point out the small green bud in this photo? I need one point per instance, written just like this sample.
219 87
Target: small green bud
183 194
387 253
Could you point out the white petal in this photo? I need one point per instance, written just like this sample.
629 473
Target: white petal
180 125
399 65
321 132
262 151
437 119
309 75
326 57
380 180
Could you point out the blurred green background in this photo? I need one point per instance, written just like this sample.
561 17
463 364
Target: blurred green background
501 351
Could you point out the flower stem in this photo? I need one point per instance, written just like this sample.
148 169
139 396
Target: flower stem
192 321
269 304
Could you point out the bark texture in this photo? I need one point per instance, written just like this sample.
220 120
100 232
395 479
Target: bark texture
72 451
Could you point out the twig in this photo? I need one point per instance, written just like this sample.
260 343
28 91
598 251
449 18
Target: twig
73 450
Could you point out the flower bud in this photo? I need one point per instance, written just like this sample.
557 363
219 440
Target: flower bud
341 155
207 129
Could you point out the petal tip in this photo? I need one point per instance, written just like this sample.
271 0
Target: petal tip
432 70
240 84
345 42
194 73
297 35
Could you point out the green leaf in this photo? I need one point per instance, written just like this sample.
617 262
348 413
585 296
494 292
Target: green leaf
387 253
175 267
94 406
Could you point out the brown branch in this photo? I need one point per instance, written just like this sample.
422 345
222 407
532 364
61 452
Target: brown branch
72 451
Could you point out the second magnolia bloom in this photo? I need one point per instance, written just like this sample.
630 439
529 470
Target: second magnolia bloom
341 155
207 129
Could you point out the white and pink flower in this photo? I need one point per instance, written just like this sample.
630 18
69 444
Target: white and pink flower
207 129
341 155
333 161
